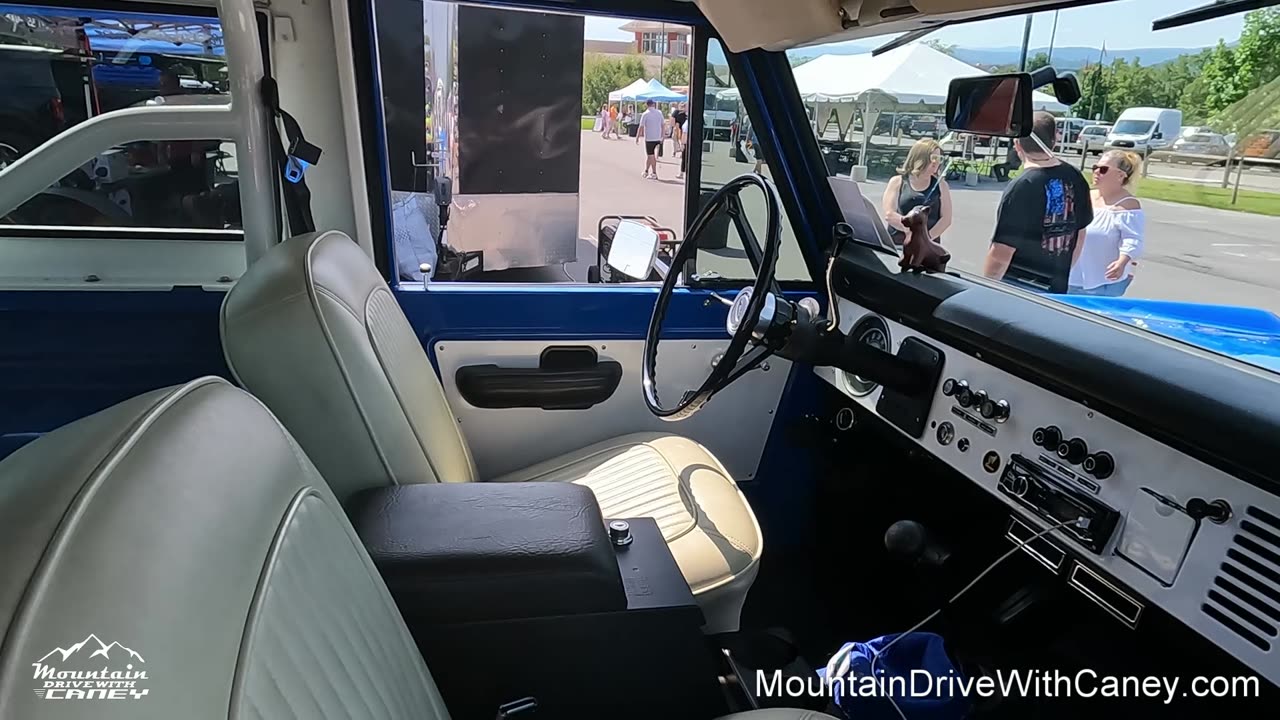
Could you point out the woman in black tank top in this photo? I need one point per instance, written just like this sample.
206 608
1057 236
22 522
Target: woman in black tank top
917 183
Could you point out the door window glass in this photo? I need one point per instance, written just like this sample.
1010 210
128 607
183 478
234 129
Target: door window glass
526 137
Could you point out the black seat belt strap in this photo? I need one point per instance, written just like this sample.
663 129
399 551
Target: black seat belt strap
293 162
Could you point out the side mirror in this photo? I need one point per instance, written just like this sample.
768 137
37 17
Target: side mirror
633 250
991 105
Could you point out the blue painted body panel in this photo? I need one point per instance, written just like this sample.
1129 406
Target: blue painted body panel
1246 334
64 355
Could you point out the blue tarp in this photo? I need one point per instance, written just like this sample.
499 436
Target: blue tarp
658 92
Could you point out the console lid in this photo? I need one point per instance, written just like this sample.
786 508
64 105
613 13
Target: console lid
461 552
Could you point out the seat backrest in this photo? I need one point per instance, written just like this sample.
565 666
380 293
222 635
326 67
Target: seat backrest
177 556
313 331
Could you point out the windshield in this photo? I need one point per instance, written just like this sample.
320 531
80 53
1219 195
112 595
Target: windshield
1133 127
1164 242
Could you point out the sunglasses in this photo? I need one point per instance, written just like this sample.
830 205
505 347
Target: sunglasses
1104 169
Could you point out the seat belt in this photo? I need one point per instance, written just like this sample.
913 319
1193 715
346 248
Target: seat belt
293 162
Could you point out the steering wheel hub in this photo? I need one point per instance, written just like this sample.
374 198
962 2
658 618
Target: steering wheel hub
740 311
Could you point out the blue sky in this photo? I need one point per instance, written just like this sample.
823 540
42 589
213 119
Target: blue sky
1124 24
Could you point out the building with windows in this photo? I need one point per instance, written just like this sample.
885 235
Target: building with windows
659 39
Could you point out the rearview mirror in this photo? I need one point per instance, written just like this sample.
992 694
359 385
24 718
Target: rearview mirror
633 250
991 105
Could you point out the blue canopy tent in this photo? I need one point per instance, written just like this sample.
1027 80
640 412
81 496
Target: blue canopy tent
658 92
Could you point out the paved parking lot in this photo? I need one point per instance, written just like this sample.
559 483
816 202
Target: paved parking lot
1192 253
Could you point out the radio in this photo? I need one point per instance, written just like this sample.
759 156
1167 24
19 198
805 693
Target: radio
1056 501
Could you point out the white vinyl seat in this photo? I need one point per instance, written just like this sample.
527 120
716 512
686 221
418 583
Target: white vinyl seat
182 541
313 331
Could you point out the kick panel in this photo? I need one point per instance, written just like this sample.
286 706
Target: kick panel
1161 527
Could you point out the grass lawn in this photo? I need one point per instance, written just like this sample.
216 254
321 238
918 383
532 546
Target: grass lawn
1254 201
588 122
1204 195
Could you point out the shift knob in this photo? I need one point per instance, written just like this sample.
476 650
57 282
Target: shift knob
912 541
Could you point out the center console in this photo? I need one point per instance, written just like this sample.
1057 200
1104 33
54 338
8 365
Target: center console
524 590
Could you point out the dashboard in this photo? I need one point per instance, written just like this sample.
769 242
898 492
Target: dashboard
1160 527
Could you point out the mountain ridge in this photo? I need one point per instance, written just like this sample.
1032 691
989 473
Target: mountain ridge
1070 57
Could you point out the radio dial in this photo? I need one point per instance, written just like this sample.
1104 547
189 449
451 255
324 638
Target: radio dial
1018 484
1073 451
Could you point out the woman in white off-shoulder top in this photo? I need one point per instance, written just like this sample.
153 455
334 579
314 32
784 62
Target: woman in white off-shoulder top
1113 241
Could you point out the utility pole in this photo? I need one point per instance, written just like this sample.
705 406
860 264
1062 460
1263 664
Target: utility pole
1026 40
662 52
1053 35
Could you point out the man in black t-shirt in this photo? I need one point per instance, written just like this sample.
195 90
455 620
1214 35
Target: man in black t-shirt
1042 216
678 116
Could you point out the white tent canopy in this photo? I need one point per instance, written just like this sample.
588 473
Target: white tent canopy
630 92
914 74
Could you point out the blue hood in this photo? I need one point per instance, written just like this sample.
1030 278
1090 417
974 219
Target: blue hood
1246 334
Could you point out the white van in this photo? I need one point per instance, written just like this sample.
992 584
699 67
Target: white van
1145 128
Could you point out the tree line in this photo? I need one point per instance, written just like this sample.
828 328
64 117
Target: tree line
602 74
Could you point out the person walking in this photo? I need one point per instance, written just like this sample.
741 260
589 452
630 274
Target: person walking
613 122
1041 218
1113 241
651 124
917 183
678 118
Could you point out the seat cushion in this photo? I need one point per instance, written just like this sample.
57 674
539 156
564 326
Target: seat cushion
703 515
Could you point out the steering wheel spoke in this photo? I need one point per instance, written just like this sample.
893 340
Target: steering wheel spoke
750 360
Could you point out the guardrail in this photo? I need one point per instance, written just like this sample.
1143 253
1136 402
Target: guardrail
1230 162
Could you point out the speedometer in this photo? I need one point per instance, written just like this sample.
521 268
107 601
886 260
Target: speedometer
872 331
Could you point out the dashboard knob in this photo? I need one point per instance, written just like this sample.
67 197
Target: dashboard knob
1073 451
997 410
1048 437
949 387
1099 465
979 397
963 395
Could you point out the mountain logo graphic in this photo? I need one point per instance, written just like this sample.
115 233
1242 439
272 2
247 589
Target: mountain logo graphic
95 649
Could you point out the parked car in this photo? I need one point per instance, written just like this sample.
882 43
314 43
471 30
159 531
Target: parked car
1093 138
1191 147
1069 133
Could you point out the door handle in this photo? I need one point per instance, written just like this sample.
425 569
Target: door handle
567 378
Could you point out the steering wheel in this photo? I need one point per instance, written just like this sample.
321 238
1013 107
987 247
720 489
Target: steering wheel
752 313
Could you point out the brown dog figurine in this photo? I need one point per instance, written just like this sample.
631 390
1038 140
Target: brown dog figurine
920 252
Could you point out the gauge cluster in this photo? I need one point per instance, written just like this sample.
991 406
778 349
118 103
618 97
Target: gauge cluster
1156 526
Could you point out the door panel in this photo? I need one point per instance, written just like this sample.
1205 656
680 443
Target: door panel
735 425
